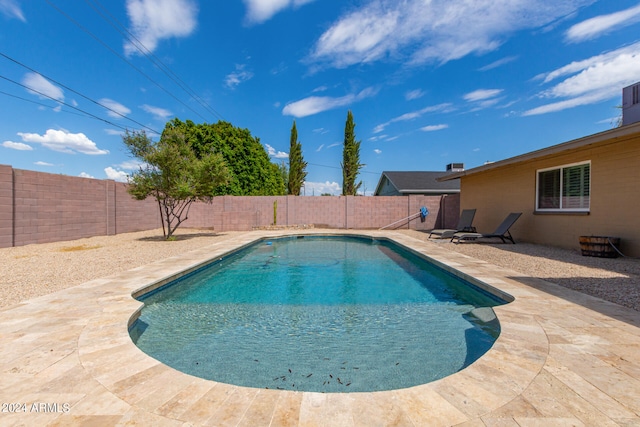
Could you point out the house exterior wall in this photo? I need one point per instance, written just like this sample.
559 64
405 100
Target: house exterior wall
614 197
387 189
38 207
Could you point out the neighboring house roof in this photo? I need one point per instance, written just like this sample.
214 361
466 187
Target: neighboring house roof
418 182
610 136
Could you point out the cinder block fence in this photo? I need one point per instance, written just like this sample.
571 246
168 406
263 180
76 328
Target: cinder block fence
38 207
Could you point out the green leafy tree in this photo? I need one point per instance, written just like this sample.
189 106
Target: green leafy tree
297 165
173 175
350 159
251 171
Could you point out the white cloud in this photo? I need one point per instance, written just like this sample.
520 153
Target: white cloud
85 175
599 25
419 31
277 154
238 76
259 11
129 165
377 151
155 20
320 147
42 87
444 107
40 163
17 146
116 175
432 128
481 94
318 188
114 109
317 104
578 66
11 9
413 94
63 141
157 112
498 63
594 80
379 137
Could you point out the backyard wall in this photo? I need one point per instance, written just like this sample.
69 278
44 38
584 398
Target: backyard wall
615 176
38 207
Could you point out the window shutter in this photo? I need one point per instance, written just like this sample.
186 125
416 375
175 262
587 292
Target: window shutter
575 187
549 189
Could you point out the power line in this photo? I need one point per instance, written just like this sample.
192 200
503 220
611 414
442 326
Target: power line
122 58
62 102
336 167
36 102
77 93
117 25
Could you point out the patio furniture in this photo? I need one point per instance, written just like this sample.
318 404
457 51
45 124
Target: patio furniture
502 232
464 224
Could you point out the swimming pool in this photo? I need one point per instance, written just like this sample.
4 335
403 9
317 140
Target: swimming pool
327 314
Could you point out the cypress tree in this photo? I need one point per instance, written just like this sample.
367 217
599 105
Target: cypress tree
297 165
350 159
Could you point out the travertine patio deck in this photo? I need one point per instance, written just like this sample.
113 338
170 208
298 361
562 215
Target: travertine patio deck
563 358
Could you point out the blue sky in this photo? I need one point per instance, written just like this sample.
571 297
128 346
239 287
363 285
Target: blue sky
429 82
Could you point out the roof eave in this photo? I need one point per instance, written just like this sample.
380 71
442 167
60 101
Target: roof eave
435 191
554 149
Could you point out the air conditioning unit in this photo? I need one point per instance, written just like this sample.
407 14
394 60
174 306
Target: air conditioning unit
631 104
455 167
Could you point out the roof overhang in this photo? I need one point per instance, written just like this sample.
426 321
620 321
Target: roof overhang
446 191
606 136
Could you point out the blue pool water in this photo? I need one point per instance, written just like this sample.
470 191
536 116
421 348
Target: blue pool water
325 314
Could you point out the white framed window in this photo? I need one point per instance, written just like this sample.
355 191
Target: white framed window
564 188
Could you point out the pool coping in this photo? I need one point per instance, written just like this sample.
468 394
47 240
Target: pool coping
115 380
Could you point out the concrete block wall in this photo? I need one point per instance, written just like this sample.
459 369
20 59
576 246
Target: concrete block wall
51 207
38 207
377 212
6 206
326 211
134 215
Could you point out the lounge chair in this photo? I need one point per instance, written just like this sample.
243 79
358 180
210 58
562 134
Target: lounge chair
502 232
464 224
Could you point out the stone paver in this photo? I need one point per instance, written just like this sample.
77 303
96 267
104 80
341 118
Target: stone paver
67 359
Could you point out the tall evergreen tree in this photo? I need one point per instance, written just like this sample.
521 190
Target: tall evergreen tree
350 159
297 165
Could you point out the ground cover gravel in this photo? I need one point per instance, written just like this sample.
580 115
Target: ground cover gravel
612 279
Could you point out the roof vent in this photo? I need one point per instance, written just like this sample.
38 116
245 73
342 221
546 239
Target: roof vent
631 104
455 167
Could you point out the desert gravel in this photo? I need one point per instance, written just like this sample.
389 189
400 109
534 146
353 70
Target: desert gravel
34 270
612 279
39 269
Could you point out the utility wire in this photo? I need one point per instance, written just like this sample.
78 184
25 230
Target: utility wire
62 102
336 167
15 61
117 25
122 58
36 102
